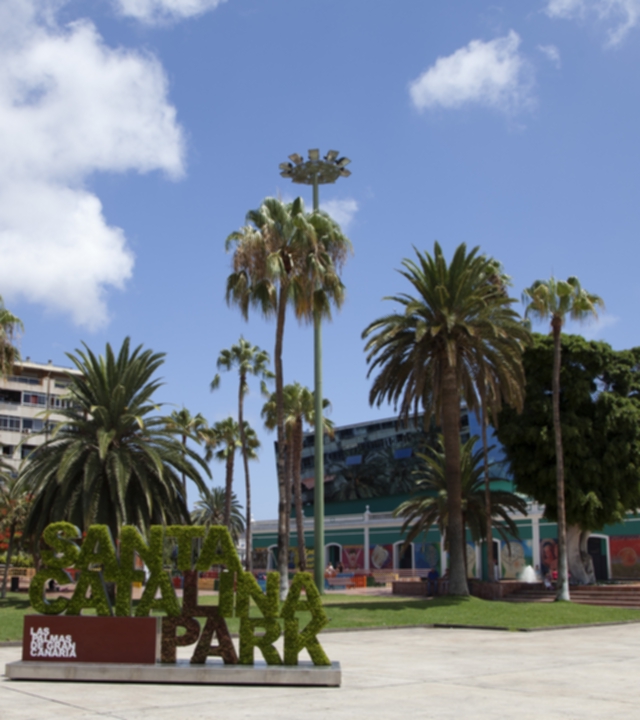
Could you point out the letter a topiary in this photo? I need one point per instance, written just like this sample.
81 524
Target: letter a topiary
295 641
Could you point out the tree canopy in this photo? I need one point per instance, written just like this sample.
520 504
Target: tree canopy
600 418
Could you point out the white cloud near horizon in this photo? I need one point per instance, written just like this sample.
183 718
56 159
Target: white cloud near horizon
594 328
621 16
552 53
493 74
342 211
154 11
71 106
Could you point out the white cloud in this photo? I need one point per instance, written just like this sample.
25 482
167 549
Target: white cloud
490 73
342 211
551 52
70 106
152 11
620 16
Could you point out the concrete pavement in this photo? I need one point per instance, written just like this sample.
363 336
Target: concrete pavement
581 673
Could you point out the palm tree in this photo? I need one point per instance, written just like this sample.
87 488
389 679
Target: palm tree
222 441
299 408
187 426
111 460
250 360
9 327
14 505
554 300
365 479
430 506
285 256
428 354
210 508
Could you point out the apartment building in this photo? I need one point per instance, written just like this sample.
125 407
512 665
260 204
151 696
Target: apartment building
25 395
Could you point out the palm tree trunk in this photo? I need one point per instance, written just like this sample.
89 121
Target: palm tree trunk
184 479
283 510
12 530
491 573
563 567
229 487
297 492
245 461
450 403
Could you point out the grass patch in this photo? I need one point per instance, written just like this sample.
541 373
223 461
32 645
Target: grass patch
352 611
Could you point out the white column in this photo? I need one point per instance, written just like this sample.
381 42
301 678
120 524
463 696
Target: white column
367 516
443 556
478 560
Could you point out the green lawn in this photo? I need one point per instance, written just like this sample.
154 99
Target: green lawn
351 611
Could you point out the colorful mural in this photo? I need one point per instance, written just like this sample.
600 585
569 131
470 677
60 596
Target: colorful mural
625 556
427 555
353 557
515 557
549 556
381 557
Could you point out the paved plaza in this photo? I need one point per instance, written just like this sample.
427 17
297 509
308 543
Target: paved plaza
411 673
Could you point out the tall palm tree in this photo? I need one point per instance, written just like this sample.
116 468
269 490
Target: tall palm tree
10 325
366 479
428 353
111 460
250 360
14 506
430 505
188 426
299 408
554 300
210 508
285 256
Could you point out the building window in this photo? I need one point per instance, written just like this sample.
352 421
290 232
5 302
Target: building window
57 401
9 423
24 379
7 450
38 399
26 450
30 425
10 396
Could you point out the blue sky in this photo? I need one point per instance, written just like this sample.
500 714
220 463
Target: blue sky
135 135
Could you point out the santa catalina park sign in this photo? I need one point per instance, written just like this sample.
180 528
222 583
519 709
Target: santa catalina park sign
118 635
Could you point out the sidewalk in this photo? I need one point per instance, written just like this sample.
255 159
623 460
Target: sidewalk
585 673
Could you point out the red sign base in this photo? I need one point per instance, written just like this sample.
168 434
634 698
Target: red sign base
89 639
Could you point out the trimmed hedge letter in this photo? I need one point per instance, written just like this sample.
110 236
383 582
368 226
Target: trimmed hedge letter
158 578
59 536
268 604
295 641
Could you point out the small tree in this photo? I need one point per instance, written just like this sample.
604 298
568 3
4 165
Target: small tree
10 325
599 414
14 506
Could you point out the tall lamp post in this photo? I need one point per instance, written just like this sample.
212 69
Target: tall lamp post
317 171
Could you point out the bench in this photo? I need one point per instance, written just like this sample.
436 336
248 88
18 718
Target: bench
340 581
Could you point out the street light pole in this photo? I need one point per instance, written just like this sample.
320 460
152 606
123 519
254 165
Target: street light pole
316 171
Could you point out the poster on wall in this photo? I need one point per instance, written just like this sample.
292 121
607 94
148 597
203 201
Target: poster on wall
625 556
353 557
381 557
515 557
427 555
549 556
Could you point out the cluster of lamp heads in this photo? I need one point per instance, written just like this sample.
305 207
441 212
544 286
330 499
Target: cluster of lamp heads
315 169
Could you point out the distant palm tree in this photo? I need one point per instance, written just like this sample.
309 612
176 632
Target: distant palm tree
9 327
365 479
284 256
430 505
111 460
210 509
222 441
250 360
555 300
299 408
14 506
429 353
188 427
